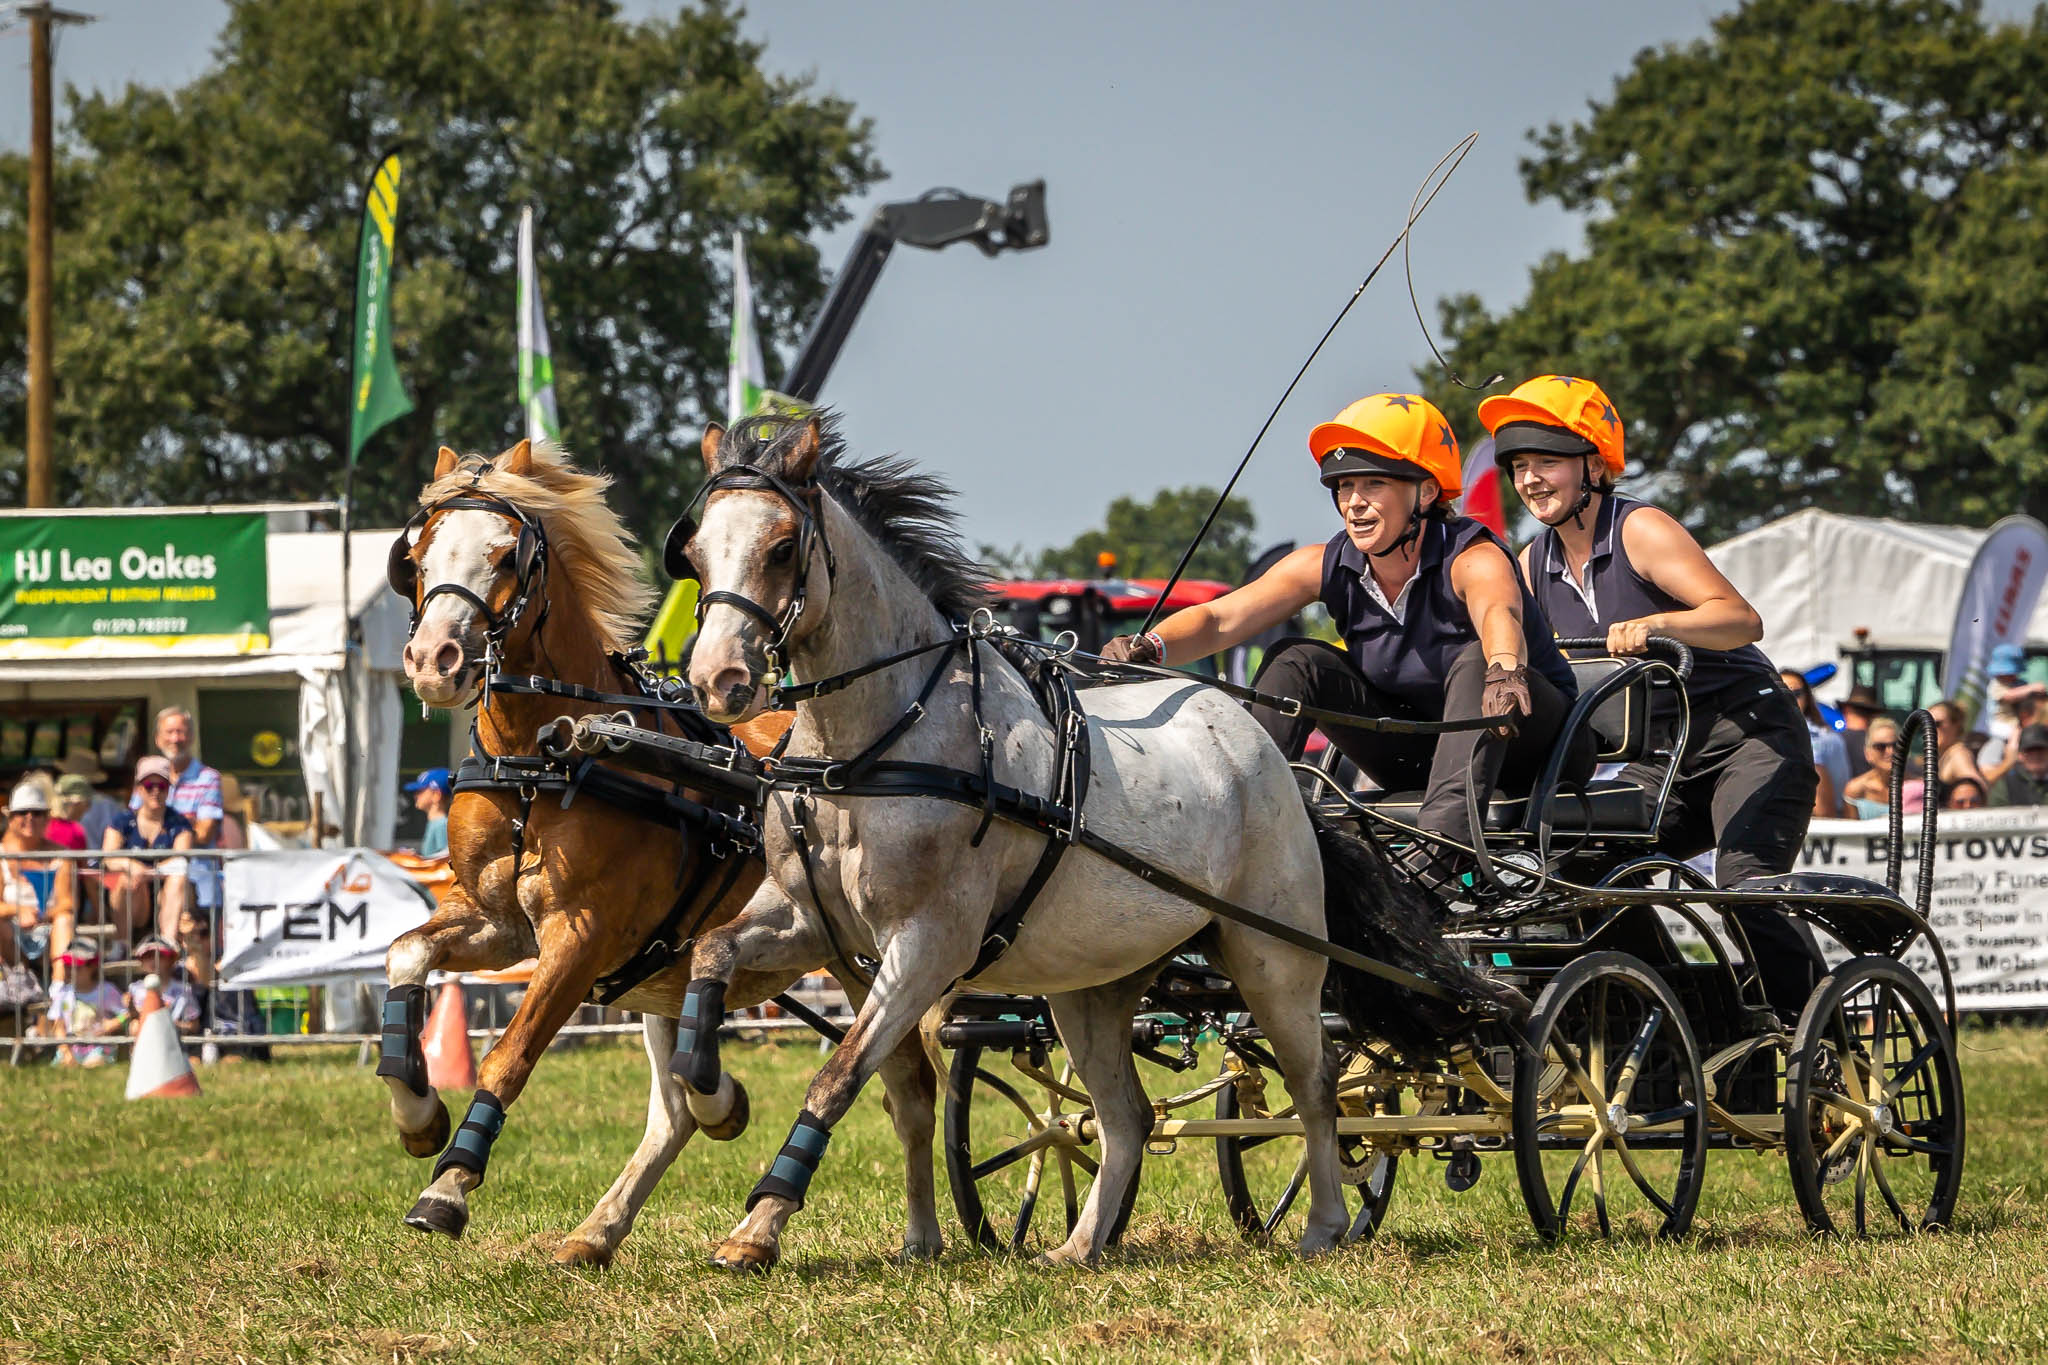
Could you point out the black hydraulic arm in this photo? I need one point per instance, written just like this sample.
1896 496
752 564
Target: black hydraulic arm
937 219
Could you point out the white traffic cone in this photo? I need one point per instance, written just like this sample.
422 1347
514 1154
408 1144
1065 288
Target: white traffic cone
157 1065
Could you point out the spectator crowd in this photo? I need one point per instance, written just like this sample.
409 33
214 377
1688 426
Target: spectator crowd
66 923
1998 759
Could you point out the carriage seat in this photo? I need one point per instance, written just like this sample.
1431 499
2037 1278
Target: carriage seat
1612 807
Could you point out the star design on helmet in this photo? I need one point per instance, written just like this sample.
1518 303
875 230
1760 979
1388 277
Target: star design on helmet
1565 379
1400 400
1608 415
1444 438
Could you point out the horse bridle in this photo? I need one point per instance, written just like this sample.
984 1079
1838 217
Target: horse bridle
529 560
810 531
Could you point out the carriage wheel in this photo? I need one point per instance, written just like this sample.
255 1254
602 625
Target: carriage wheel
1610 1117
1264 1178
1016 1186
1874 1103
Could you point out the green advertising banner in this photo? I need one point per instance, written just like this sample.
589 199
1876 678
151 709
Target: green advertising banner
376 396
102 586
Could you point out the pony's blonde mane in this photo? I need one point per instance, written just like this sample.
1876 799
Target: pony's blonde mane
586 540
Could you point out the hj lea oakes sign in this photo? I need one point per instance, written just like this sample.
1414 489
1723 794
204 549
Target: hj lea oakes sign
192 583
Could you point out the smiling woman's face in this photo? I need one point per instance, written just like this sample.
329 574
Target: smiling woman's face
1376 507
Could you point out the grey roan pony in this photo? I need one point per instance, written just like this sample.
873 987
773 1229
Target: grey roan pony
824 567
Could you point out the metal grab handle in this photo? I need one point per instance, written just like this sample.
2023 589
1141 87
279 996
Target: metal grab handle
1679 652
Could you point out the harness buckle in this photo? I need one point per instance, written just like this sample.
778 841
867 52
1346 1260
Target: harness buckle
1289 706
829 779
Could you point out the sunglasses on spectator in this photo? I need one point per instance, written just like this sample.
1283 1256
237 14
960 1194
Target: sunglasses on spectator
154 784
1881 746
28 815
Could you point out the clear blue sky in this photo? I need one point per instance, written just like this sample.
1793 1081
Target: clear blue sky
1220 177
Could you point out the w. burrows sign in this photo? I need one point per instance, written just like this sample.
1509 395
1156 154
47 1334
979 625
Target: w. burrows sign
182 583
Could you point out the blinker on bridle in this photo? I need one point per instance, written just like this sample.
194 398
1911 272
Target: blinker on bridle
810 530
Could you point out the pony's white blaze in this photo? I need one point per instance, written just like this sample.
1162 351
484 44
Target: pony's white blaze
730 551
469 547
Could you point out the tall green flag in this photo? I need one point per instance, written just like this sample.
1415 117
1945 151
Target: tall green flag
376 396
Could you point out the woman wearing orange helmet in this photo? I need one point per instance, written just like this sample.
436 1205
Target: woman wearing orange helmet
1436 619
1608 565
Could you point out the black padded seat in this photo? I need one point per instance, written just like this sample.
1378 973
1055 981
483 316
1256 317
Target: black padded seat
1613 807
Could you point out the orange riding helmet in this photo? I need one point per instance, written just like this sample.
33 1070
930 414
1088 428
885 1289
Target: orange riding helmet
1400 435
1555 414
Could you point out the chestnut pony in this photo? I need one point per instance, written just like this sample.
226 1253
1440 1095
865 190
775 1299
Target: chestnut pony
517 563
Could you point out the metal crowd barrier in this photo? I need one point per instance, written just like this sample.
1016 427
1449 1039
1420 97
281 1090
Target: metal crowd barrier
94 918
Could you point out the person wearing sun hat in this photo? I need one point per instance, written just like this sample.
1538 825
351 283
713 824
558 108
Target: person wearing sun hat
1608 566
173 984
84 1006
1436 621
80 773
38 895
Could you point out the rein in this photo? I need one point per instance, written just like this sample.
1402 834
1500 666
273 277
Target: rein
1059 817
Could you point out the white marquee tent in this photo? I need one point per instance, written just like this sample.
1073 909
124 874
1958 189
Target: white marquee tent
1816 577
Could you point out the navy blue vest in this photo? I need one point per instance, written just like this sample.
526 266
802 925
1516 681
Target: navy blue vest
1410 659
1622 594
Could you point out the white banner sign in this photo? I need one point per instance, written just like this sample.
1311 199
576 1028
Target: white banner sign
300 916
1990 904
1996 605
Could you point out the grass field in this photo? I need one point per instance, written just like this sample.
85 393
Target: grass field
261 1222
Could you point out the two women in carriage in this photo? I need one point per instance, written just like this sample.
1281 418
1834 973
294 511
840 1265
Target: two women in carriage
1437 625
1441 621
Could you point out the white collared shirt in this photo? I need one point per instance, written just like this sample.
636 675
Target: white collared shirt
1585 589
1398 608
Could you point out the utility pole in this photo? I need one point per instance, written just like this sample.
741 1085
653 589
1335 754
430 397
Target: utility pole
40 17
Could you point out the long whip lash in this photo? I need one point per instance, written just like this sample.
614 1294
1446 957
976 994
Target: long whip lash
1439 175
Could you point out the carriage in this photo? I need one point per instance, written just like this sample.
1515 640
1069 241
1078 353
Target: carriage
1650 1041
1642 1048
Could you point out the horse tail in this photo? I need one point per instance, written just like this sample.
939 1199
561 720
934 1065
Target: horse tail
1371 909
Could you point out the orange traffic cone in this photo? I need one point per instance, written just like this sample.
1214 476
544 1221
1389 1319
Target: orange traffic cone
157 1065
451 1065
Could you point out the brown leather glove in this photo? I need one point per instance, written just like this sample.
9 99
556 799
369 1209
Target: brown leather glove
1506 695
1133 649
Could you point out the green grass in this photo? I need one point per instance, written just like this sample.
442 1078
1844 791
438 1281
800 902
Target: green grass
261 1222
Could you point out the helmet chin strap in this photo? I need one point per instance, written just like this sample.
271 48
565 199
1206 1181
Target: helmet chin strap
1410 535
1577 516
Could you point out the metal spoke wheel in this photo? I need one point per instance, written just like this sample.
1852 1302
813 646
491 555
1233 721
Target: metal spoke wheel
1265 1179
1610 1117
1874 1104
1014 1156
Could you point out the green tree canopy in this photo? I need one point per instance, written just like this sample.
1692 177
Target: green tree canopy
1149 538
207 244
1813 266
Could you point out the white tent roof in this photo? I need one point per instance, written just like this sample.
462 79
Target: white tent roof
1817 576
306 626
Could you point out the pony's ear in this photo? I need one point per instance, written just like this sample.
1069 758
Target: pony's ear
519 460
714 437
802 462
445 462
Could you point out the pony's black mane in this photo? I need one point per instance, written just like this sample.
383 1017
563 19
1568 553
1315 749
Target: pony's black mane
910 513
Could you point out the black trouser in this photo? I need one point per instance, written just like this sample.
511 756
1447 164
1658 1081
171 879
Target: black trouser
1442 766
1745 788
